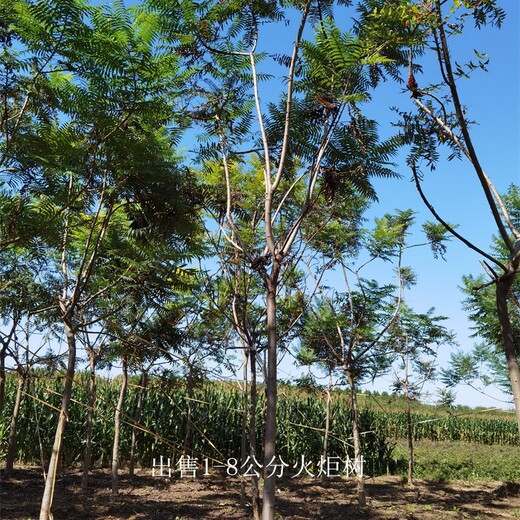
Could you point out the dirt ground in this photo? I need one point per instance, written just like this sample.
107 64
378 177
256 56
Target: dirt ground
146 497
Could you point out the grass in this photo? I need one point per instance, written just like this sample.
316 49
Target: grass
456 460
396 403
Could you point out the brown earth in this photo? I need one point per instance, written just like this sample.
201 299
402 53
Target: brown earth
160 498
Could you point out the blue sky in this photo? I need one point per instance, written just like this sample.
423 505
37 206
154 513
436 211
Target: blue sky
492 100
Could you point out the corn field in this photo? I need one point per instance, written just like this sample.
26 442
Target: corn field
216 422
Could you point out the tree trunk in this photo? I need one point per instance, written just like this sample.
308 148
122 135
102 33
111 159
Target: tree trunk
358 450
11 443
3 353
410 440
327 425
409 427
243 438
117 429
90 420
268 507
186 449
503 287
503 283
137 419
255 492
32 391
48 494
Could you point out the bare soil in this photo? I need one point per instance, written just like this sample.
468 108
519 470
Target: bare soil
146 497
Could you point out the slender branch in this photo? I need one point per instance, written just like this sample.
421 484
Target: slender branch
447 226
103 290
502 207
314 172
64 263
229 218
489 270
84 272
472 155
260 118
498 199
286 194
397 308
290 85
30 86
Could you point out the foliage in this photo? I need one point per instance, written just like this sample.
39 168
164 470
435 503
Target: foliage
485 362
461 461
417 338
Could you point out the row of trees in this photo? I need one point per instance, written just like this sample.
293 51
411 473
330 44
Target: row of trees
138 151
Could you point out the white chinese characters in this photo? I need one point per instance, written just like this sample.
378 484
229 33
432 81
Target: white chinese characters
189 467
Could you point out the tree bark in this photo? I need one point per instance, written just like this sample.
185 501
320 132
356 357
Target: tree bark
268 507
87 458
117 429
327 424
137 419
409 427
255 492
409 432
48 494
243 436
11 443
503 287
3 353
186 449
358 450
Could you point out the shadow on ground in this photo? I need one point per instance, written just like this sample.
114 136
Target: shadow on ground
144 497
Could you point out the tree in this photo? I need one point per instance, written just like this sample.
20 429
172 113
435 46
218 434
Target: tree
346 333
440 119
236 293
485 362
94 349
416 339
84 137
359 331
347 330
326 81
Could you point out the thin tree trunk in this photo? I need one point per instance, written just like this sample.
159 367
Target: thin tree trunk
32 391
502 293
255 492
137 419
48 494
268 507
409 432
3 353
11 443
358 451
117 429
87 459
243 439
327 424
186 450
409 427
503 283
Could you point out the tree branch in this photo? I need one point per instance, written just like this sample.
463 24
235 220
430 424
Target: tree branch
447 226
